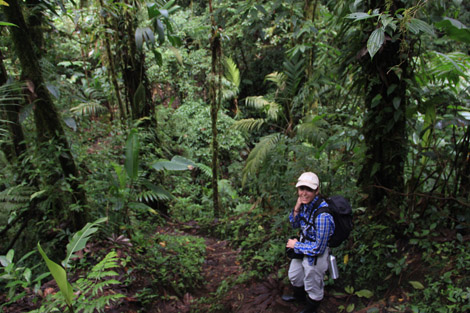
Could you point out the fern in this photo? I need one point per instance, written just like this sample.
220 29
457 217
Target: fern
248 124
257 102
232 73
278 78
258 154
15 198
91 107
95 294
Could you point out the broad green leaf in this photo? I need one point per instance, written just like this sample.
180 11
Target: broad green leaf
144 34
10 255
350 307
349 289
416 25
131 163
139 97
416 284
80 238
454 29
357 16
158 57
164 13
27 274
2 2
177 163
375 41
365 293
37 194
7 24
160 30
60 276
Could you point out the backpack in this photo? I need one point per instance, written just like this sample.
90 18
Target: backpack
341 211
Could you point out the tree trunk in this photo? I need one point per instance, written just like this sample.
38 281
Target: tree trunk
11 113
384 125
135 79
112 67
47 120
215 86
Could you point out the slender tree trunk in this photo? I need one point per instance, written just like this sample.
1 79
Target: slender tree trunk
216 52
47 120
133 71
112 67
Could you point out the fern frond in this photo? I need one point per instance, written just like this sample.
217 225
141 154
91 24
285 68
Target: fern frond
206 170
15 197
274 111
278 78
91 107
231 72
258 154
257 102
248 124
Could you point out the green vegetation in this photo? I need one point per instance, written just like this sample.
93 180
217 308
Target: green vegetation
131 132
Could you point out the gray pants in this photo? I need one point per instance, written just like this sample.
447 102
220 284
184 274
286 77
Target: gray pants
309 276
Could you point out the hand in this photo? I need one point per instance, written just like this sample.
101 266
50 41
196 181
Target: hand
291 243
297 206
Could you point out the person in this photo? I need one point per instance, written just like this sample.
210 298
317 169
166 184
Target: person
306 274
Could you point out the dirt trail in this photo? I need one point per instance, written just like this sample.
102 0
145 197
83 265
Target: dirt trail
221 265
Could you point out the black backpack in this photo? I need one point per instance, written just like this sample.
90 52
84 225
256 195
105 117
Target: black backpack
341 211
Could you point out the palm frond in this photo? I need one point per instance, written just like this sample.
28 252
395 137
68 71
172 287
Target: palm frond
450 66
258 154
294 71
314 130
91 107
158 192
248 124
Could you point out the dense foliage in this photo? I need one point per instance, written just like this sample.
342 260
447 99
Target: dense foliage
112 114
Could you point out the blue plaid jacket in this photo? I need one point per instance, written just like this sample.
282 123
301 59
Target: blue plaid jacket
314 240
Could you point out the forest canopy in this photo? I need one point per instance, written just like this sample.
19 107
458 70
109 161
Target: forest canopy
143 143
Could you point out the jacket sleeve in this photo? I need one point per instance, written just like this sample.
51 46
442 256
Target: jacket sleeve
324 228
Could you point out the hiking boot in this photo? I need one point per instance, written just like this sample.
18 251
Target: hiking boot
298 295
311 306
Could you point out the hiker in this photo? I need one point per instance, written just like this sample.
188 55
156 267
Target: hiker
306 272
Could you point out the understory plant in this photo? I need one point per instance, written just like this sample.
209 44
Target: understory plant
91 296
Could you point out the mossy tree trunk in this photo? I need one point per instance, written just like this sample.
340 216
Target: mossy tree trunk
11 112
215 85
48 124
133 70
384 125
111 65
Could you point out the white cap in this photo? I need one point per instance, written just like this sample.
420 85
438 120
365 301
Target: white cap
308 179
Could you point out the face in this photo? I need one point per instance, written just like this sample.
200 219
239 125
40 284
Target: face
306 194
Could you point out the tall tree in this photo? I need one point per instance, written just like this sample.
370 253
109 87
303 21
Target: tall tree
215 98
382 54
47 120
